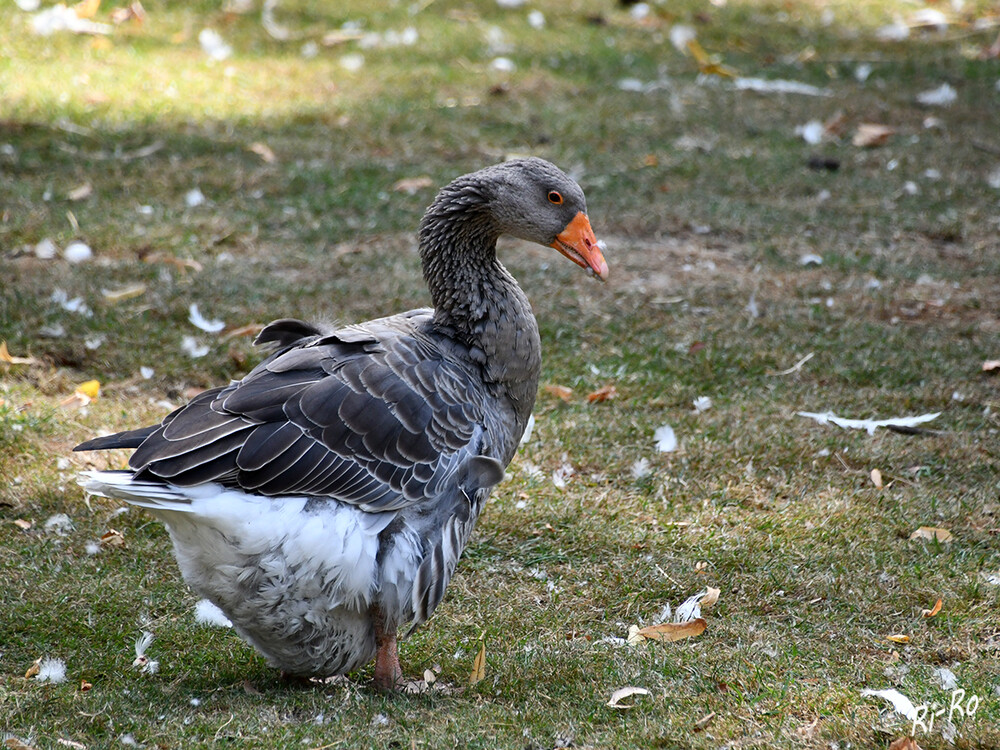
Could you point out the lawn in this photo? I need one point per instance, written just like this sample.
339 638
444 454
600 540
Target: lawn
749 267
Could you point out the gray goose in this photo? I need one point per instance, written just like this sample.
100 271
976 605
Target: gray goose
323 501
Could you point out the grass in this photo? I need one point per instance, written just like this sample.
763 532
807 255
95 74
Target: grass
705 198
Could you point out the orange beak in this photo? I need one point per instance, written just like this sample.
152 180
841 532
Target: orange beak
578 243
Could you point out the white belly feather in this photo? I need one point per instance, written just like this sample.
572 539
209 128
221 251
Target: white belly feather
296 576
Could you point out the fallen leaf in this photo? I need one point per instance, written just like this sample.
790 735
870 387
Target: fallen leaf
710 597
603 393
6 357
668 631
251 329
87 8
85 686
91 389
932 532
80 192
22 524
932 612
708 64
14 743
991 365
134 11
112 538
33 669
876 476
703 722
904 743
898 638
869 135
429 676
264 152
560 391
411 185
479 666
123 293
622 693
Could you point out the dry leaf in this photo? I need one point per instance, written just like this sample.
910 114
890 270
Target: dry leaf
932 612
602 394
668 631
72 743
22 524
182 264
904 743
991 365
85 686
710 597
703 722
411 185
708 64
932 532
264 152
90 389
134 11
876 476
869 135
34 669
112 538
560 391
622 693
6 357
124 292
80 192
429 676
251 329
87 8
14 743
898 638
479 666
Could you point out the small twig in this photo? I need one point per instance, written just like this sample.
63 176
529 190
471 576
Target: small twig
797 366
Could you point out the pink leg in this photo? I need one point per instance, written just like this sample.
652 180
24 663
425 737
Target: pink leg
388 675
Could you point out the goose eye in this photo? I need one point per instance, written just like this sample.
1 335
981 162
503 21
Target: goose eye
555 197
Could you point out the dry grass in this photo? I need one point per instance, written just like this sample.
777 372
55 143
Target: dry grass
706 201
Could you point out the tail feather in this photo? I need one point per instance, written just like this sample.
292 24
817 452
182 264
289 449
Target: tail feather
121 485
127 439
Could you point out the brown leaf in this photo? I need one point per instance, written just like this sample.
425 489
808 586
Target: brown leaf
932 612
87 8
991 365
869 135
669 631
134 11
251 329
696 347
264 152
703 722
6 357
898 638
932 532
34 669
560 391
112 538
604 393
622 693
904 743
711 597
479 666
85 686
22 524
13 743
411 185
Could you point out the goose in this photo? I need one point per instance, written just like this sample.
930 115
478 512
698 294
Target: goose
322 502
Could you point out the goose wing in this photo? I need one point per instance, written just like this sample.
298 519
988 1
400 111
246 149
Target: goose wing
379 415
